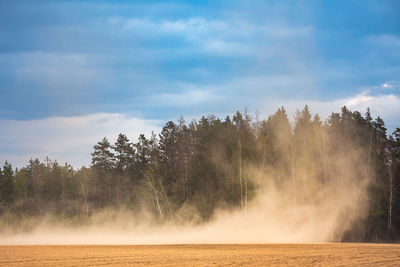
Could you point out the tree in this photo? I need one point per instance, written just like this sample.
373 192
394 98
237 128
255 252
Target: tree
124 153
168 139
102 157
7 184
303 155
142 157
103 160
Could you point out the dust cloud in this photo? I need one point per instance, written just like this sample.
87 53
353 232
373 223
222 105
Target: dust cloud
269 219
272 217
303 198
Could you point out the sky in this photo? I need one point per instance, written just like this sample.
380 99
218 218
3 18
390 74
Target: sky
72 72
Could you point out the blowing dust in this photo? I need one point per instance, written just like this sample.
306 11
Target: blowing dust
314 191
301 209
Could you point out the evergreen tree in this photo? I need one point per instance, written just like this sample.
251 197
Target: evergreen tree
103 160
142 156
124 153
7 184
102 157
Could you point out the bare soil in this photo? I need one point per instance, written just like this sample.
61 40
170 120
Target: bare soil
203 255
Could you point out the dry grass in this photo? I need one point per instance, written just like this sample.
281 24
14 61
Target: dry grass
203 255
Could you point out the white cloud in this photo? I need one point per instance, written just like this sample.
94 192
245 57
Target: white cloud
66 139
385 106
358 100
391 85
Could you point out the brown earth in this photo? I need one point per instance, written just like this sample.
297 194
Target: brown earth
203 255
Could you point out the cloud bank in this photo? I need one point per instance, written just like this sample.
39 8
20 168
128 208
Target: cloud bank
66 139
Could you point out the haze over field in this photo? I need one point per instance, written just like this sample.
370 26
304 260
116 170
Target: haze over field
270 218
186 122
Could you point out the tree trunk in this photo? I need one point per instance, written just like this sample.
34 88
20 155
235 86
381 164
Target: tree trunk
158 205
240 174
117 189
245 187
324 159
151 185
167 200
366 175
390 207
85 198
293 173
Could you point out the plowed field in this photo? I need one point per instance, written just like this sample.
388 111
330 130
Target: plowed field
203 255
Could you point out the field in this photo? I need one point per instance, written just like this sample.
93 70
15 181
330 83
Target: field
203 255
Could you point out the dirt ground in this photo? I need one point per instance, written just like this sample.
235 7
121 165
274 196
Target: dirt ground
203 255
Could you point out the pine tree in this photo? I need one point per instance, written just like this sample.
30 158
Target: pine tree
102 157
124 153
142 156
7 184
103 160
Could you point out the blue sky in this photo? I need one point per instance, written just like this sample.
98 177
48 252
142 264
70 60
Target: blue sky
74 71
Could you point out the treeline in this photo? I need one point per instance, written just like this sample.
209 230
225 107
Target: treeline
190 170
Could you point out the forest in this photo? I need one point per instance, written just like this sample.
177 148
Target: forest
192 169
